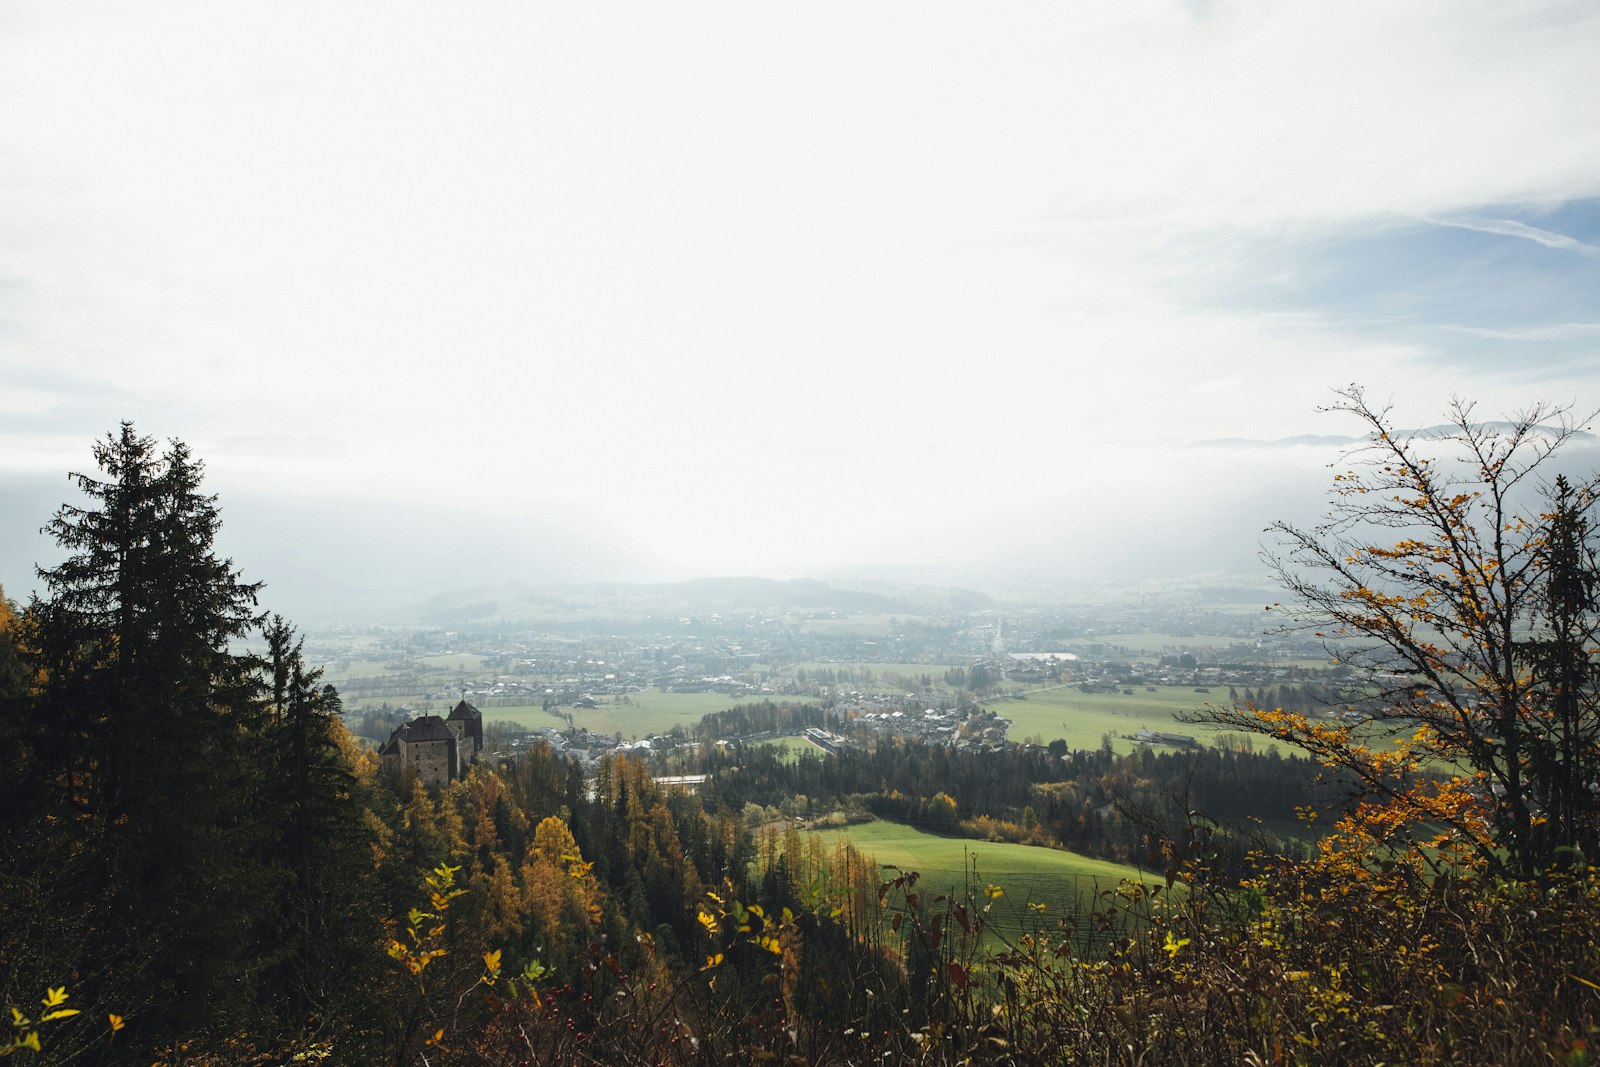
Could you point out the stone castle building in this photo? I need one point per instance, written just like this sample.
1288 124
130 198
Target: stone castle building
432 749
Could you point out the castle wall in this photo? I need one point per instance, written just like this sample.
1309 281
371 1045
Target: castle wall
432 761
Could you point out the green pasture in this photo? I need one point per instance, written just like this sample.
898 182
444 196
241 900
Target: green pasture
645 713
610 719
649 712
1063 882
880 672
337 672
792 747
691 707
1081 718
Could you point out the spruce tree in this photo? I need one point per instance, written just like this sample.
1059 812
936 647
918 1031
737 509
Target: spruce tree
326 926
146 730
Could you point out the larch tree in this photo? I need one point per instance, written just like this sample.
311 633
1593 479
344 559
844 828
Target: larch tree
1455 572
14 704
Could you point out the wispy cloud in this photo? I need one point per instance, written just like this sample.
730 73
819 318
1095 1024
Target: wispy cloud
1565 331
1513 228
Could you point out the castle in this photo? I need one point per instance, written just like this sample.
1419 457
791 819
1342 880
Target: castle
435 750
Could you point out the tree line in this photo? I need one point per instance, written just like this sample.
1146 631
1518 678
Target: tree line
1096 802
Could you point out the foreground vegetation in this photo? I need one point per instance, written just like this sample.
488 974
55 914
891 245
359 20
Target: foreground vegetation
199 866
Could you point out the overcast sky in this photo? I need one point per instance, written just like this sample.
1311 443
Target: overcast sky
781 288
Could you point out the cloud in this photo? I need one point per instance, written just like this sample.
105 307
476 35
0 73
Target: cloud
776 286
1298 441
1513 228
1565 331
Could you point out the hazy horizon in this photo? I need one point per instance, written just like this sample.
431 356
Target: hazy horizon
1031 294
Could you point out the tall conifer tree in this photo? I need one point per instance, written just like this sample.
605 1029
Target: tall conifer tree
146 725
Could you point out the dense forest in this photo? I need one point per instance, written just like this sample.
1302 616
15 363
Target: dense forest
202 867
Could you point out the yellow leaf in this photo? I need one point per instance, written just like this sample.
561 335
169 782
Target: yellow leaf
55 996
116 1022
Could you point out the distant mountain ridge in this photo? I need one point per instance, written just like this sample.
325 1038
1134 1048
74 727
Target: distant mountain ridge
692 597
1358 439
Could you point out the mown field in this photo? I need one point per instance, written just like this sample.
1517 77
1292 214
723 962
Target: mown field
1081 719
1063 882
645 713
792 747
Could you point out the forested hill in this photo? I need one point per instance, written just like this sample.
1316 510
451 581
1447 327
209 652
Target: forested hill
698 599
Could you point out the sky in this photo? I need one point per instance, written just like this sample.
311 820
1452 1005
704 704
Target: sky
546 291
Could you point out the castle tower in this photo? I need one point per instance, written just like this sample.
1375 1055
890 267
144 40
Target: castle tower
467 722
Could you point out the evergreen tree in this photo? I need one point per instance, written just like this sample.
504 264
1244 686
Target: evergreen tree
143 740
327 932
16 789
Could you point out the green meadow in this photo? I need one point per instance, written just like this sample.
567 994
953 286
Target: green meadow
629 722
1081 719
645 713
793 747
1063 882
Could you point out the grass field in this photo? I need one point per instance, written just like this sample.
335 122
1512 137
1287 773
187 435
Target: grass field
1081 718
610 719
646 713
792 747
1062 881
